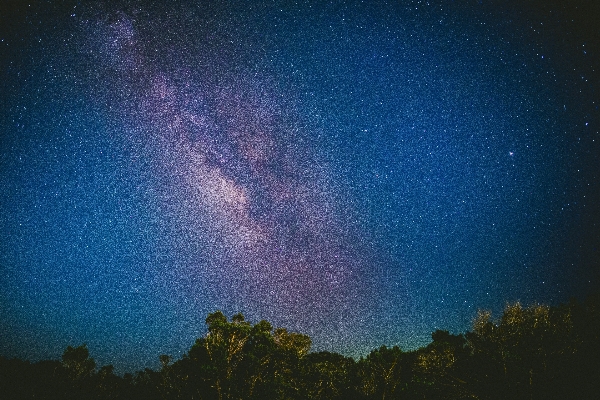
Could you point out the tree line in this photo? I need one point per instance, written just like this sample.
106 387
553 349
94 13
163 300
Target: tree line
534 352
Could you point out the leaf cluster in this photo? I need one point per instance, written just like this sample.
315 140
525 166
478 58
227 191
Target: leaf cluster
535 352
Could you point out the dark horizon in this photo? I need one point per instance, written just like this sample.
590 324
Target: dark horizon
535 352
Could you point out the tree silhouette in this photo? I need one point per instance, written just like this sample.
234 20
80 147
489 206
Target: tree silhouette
442 367
382 373
326 375
78 363
535 352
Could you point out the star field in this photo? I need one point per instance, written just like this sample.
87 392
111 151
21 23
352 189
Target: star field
362 173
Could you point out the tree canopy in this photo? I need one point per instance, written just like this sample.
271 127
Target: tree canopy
534 352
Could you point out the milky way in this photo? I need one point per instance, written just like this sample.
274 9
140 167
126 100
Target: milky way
258 220
363 174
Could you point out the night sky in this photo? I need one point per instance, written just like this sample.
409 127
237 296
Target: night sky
361 172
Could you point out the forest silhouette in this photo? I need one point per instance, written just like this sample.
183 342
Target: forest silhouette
533 352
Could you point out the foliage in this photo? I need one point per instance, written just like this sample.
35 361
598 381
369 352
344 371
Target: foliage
383 373
535 352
